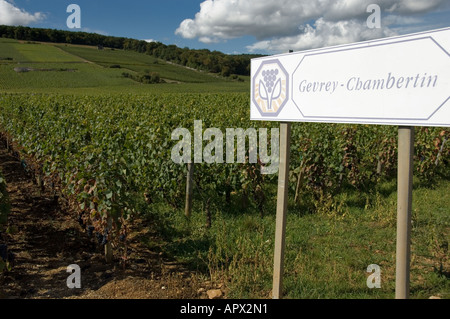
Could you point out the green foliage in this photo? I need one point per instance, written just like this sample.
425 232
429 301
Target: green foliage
432 152
111 156
148 78
107 158
330 157
112 152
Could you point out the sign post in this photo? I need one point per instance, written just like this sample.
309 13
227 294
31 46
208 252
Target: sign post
404 202
282 196
402 81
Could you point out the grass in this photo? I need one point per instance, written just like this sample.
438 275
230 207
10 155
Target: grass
327 254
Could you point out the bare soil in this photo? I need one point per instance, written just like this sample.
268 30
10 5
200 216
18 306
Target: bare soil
46 240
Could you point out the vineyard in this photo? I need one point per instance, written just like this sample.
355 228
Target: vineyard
71 68
136 62
108 159
87 147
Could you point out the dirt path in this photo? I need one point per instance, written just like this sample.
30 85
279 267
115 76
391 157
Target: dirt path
47 240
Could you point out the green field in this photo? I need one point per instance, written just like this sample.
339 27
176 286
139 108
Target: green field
107 140
60 76
41 53
9 51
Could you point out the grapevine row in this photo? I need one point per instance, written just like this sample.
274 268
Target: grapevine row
109 155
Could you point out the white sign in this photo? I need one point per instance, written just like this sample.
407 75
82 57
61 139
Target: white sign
403 80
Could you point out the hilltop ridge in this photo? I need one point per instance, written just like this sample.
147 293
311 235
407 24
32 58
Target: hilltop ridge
205 60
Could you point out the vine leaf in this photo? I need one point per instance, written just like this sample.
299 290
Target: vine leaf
263 91
277 90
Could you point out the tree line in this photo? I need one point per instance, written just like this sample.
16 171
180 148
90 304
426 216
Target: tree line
204 60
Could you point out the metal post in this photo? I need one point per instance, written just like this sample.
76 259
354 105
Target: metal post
282 199
404 202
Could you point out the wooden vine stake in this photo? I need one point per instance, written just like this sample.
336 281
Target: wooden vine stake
299 181
189 189
108 246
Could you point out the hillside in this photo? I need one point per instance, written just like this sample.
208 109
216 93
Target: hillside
204 60
36 66
139 63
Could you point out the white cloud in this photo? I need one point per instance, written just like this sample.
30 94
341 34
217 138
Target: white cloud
323 33
416 6
11 15
295 24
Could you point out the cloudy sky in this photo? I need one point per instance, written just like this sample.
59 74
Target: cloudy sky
236 26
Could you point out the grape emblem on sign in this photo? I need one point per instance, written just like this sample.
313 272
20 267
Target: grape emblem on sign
270 88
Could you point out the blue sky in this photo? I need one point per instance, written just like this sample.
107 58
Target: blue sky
138 19
235 26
